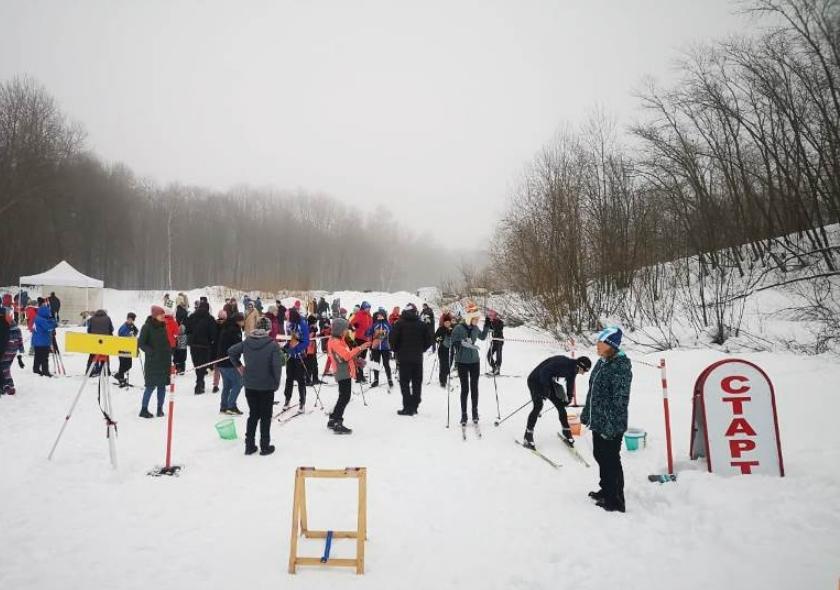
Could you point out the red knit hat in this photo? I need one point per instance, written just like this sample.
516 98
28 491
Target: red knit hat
157 310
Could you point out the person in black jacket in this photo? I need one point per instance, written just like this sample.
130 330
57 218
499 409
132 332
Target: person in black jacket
98 323
443 339
409 339
55 306
427 316
543 383
201 334
494 351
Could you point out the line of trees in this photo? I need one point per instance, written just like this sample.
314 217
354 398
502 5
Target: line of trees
735 169
58 200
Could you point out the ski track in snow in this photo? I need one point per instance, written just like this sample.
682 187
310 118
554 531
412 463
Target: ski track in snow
443 513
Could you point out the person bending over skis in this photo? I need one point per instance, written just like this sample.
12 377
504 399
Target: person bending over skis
543 383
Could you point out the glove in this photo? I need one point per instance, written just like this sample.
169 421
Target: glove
20 361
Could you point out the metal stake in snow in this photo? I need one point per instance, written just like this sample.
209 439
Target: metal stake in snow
169 468
670 476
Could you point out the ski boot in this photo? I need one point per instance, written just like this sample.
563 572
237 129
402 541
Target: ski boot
528 440
331 423
568 438
340 428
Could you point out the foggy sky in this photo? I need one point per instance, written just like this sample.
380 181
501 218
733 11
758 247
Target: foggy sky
428 108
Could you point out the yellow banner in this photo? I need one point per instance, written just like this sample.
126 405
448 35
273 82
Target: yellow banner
100 344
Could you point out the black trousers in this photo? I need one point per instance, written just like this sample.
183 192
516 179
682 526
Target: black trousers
443 362
411 384
383 357
537 397
42 360
179 359
344 388
260 404
311 364
125 367
494 354
468 374
360 375
295 372
607 454
200 355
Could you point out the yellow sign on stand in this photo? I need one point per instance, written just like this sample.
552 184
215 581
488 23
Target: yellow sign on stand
100 344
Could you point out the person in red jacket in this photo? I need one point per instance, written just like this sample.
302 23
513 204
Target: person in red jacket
361 323
395 315
343 357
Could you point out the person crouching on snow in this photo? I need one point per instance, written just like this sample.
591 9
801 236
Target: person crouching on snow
343 357
543 384
261 375
605 413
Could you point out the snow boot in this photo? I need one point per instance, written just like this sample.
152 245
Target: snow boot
340 428
250 449
331 423
215 389
405 412
390 383
144 413
235 411
610 505
528 440
374 383
160 413
597 496
267 450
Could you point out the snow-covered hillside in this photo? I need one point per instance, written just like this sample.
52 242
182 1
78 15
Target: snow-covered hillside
443 513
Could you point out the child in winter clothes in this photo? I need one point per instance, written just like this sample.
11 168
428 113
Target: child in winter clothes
311 358
14 346
380 352
127 330
179 344
344 359
443 338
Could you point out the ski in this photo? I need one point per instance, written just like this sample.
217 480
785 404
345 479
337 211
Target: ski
285 410
491 375
117 383
573 451
538 454
662 477
293 416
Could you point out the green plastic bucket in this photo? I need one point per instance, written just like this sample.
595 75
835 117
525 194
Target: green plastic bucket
226 429
632 438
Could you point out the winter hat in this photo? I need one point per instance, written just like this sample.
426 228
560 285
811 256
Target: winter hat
157 310
491 313
258 333
297 304
365 305
222 314
410 307
583 362
264 323
611 336
339 325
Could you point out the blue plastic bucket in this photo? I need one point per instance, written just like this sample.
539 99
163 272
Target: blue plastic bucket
632 438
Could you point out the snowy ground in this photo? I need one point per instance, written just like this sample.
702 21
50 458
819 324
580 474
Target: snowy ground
443 513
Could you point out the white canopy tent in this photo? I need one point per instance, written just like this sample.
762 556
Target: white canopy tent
77 292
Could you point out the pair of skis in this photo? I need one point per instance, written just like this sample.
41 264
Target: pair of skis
575 453
287 415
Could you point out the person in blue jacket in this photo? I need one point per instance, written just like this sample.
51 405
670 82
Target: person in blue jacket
543 383
42 340
380 350
298 332
127 330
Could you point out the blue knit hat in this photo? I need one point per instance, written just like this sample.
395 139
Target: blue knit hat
365 305
612 336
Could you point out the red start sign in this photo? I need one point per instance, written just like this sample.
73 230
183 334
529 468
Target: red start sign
734 422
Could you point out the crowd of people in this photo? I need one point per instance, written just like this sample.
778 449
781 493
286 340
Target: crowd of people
250 348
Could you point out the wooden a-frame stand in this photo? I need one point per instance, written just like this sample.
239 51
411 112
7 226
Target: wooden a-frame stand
299 522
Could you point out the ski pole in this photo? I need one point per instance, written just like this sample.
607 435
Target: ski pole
362 390
497 422
434 364
496 387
